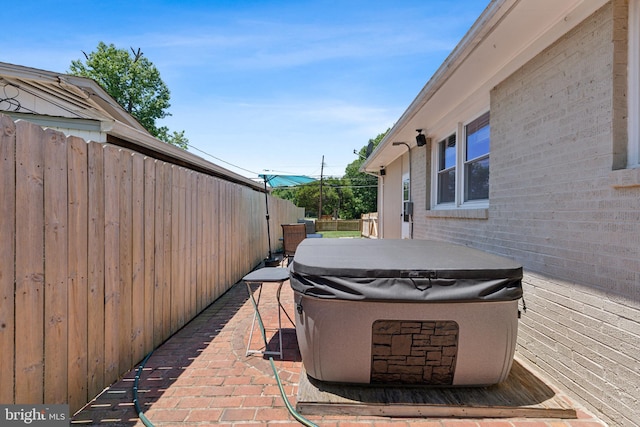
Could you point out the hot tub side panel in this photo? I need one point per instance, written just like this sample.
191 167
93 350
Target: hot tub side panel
335 337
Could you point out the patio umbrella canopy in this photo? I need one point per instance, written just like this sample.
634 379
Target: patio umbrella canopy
277 181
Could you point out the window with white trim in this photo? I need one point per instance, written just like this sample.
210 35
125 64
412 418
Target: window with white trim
462 175
476 162
447 170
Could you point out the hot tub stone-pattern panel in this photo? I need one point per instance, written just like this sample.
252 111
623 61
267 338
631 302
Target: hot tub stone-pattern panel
414 352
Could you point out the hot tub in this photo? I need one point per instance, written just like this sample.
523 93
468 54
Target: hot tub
404 311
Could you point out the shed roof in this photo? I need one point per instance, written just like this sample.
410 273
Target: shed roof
39 92
52 99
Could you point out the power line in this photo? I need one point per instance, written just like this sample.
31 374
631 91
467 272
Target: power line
220 160
352 186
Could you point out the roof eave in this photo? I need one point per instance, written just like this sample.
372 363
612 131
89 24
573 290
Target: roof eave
559 17
446 69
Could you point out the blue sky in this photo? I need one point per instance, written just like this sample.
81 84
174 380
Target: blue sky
260 85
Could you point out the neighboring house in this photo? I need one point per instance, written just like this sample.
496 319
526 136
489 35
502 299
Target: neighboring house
533 152
78 106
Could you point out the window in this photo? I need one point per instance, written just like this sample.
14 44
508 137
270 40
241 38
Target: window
463 168
447 170
406 199
476 165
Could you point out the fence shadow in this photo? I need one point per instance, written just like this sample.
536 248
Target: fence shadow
168 363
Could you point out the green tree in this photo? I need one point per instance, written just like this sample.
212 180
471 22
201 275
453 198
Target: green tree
347 197
363 186
338 198
335 197
135 83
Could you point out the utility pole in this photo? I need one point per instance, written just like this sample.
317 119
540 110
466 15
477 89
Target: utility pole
320 204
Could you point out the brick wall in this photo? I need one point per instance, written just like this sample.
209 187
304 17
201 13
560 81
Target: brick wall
555 139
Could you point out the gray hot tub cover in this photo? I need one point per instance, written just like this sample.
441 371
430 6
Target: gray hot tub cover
402 271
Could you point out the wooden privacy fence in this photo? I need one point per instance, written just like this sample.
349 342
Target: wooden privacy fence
370 225
338 225
104 254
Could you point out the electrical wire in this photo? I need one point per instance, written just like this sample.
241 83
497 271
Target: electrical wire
220 160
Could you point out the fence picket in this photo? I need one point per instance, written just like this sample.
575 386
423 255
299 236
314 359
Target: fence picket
167 239
150 214
29 264
137 254
77 271
95 267
111 262
7 253
125 254
177 297
159 252
193 246
216 277
55 267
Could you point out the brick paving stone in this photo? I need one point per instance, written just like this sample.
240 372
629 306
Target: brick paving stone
530 423
459 423
496 423
201 376
170 415
195 402
272 414
238 414
229 401
204 415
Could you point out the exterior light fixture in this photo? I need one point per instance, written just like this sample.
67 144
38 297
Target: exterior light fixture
421 139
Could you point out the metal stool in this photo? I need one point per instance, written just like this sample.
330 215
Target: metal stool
266 275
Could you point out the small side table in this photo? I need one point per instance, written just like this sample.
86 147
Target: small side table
266 275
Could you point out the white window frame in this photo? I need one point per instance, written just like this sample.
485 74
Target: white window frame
436 177
633 121
461 147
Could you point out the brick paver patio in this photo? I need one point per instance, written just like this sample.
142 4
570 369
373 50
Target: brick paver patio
201 376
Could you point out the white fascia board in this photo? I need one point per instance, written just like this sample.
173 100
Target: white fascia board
56 121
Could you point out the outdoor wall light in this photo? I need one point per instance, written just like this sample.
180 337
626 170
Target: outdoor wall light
421 139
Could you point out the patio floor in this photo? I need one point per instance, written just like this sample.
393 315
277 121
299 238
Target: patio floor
201 376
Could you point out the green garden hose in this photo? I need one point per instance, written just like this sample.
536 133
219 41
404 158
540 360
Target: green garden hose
141 415
302 420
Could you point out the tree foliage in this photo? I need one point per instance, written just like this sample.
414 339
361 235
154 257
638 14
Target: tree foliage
135 83
307 196
364 186
347 197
